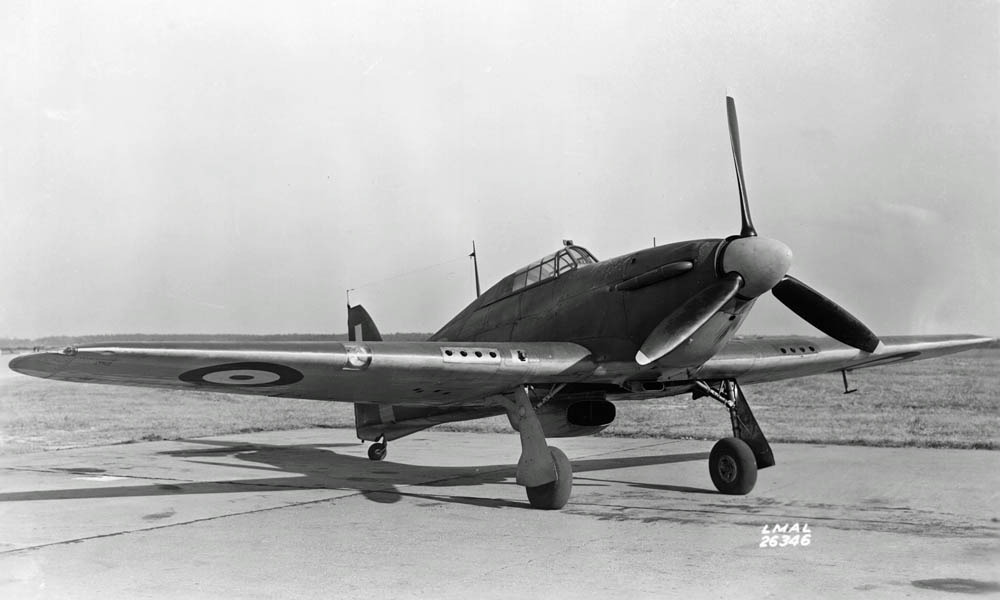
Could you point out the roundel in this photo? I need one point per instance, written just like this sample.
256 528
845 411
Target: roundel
246 374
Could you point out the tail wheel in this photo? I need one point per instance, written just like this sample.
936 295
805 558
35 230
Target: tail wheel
378 451
554 495
732 466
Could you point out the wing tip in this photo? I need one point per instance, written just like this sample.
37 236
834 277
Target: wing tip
39 364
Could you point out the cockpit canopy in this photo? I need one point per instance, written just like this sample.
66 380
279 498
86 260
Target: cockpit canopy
553 265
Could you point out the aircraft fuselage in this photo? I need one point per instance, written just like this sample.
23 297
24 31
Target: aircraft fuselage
608 307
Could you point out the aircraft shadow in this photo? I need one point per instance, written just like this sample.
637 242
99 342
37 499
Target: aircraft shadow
315 466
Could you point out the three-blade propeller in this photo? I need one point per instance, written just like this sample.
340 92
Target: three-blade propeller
753 267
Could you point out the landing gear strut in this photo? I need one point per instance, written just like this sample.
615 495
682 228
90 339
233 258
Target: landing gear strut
543 470
379 449
734 461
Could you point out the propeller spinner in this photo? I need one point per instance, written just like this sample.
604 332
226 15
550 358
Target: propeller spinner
752 265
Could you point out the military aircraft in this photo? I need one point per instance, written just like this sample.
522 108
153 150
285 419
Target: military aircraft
553 346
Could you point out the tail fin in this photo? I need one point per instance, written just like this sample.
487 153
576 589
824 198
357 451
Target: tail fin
360 326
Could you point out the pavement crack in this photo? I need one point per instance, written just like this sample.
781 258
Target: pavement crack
391 489
85 473
177 524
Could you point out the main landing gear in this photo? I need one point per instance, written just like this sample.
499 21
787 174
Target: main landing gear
543 470
732 466
734 461
379 449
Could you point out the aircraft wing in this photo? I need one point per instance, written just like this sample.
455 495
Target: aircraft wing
398 373
755 360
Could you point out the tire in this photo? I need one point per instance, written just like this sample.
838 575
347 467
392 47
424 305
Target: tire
377 451
554 495
732 466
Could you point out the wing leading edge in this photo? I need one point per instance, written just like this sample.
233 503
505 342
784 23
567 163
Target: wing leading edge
756 360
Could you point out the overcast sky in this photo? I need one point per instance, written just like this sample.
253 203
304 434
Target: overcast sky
177 167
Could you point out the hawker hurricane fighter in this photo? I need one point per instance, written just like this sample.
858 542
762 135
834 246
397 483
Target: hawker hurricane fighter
553 346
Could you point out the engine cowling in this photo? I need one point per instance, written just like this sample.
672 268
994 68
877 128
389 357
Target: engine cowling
573 416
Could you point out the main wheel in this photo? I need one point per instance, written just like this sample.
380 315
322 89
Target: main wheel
732 466
378 451
554 495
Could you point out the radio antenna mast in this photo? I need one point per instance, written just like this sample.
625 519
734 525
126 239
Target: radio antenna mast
475 265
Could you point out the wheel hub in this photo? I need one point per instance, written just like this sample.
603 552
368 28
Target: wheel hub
727 469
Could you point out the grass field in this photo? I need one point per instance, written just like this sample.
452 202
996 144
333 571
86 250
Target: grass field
949 402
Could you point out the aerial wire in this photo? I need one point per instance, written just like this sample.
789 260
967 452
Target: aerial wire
403 274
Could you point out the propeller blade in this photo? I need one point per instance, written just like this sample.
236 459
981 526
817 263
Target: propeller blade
824 314
734 137
818 310
687 318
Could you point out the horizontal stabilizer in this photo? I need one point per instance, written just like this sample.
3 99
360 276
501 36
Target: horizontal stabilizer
376 420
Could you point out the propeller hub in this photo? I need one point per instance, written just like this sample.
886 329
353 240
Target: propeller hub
760 261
